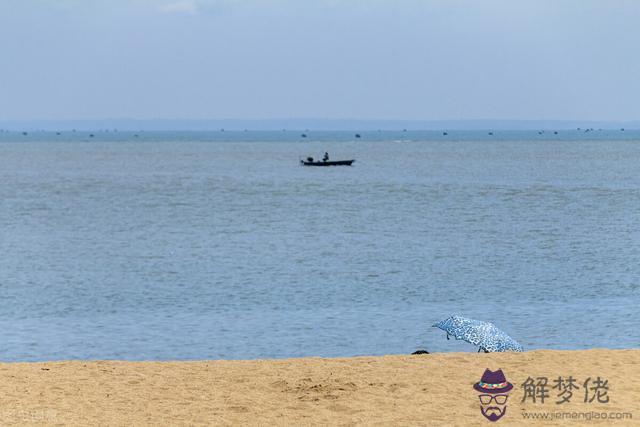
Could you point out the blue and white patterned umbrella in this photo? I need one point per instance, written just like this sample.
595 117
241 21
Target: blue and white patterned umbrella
483 334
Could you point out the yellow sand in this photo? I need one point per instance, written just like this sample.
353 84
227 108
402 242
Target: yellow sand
393 390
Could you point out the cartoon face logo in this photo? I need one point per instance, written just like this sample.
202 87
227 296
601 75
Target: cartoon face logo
494 392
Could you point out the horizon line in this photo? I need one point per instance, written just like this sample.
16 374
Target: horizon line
308 124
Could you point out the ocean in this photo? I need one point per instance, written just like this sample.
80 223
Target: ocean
208 245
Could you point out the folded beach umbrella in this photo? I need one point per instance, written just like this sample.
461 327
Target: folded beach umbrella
483 334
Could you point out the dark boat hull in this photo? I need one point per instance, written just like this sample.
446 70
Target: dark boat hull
332 163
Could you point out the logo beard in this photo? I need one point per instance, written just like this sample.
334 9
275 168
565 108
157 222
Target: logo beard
493 413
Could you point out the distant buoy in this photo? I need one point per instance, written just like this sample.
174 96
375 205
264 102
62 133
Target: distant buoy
445 134
304 135
357 135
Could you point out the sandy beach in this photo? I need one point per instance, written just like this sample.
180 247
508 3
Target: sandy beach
425 390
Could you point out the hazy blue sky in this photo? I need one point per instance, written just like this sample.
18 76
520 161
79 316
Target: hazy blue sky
394 59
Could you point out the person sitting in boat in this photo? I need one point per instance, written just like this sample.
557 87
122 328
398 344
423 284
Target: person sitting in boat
326 157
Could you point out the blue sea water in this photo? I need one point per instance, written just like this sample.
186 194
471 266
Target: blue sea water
219 245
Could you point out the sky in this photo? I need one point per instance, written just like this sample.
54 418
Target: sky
338 59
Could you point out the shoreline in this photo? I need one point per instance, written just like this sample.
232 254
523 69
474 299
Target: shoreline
384 390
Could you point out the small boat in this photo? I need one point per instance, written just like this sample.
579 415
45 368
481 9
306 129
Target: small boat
327 163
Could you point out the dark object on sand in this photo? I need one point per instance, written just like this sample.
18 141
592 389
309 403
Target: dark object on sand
310 162
420 352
